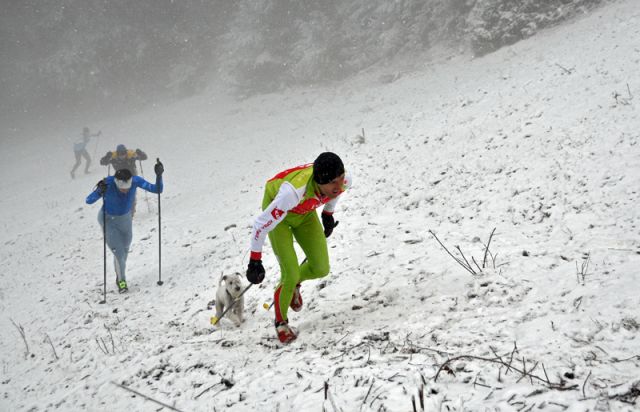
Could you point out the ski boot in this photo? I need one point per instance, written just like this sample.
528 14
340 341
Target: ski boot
286 334
122 286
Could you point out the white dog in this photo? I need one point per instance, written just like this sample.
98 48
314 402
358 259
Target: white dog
229 289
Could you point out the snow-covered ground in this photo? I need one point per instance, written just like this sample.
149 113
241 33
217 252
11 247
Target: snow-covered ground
540 140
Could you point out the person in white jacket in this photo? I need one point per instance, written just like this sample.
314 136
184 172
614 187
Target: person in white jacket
290 200
80 151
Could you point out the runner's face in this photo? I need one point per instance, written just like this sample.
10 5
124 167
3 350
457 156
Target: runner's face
333 188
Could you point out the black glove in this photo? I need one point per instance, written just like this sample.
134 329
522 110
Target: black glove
101 187
255 271
139 153
106 159
158 168
328 223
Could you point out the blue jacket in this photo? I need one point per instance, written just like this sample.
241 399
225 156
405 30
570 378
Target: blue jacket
118 203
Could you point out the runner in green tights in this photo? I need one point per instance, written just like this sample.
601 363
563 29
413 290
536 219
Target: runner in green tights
288 211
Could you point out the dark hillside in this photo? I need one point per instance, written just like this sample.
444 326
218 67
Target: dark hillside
72 53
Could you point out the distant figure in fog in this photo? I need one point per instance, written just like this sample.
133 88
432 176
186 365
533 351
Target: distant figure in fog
122 158
80 151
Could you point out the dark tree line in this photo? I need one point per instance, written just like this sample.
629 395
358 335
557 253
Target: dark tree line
81 50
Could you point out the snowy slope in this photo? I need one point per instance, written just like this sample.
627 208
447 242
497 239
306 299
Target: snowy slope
530 140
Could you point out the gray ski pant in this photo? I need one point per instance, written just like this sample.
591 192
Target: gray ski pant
119 235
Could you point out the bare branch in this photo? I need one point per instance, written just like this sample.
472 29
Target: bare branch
105 346
524 370
486 249
634 357
469 268
51 343
475 382
439 352
464 262
208 389
329 395
146 397
515 349
24 337
545 373
535 365
447 250
492 360
476 263
568 71
582 271
103 350
368 392
584 395
450 254
113 344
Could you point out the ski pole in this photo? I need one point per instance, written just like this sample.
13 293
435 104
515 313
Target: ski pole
95 150
160 282
215 319
146 195
104 249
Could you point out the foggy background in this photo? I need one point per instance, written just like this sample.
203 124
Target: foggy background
537 140
98 58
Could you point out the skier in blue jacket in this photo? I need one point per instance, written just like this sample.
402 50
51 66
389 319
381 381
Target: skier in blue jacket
119 192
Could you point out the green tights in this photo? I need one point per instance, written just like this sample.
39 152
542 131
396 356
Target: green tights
309 234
